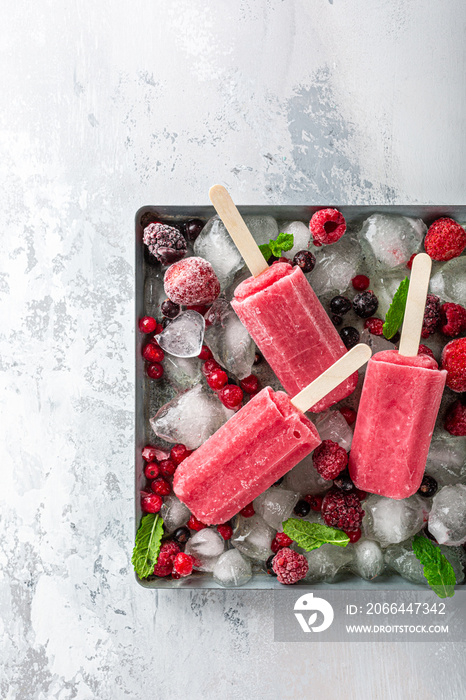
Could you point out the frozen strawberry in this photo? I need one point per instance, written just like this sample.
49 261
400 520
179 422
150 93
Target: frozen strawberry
191 281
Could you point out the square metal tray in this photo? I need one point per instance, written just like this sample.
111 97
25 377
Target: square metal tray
354 215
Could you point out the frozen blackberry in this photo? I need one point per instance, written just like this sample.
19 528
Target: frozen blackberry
305 260
269 567
302 508
192 229
431 316
365 304
428 487
169 309
340 305
349 336
166 243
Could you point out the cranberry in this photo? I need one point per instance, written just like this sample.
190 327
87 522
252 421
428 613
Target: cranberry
226 531
209 366
205 353
150 502
149 453
152 352
217 379
147 324
250 384
160 486
354 536
348 414
195 524
179 453
154 371
167 467
169 309
231 395
360 282
151 470
315 502
248 511
183 564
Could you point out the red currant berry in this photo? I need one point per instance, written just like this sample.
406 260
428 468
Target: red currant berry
150 502
348 414
315 502
167 467
231 395
354 536
209 366
160 486
360 282
205 353
195 524
152 352
217 379
179 453
147 324
154 371
250 384
151 470
149 453
183 564
248 511
226 531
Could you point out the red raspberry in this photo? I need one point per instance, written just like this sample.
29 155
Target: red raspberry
217 379
445 239
179 453
455 421
315 502
289 566
374 326
168 552
454 361
226 531
191 281
329 459
250 384
231 395
195 524
152 352
360 282
354 536
327 226
154 371
167 467
342 509
279 541
209 366
452 319
360 494
183 564
431 316
147 324
151 470
160 486
348 414
248 511
409 264
424 350
150 502
205 353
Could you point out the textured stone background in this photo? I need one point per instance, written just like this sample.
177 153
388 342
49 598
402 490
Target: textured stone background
107 106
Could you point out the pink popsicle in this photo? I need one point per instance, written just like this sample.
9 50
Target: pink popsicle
292 330
396 417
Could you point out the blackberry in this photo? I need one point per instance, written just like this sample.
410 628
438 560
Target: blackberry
166 243
365 304
349 336
305 260
431 316
340 305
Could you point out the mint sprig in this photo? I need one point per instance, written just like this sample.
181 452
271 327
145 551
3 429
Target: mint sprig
283 242
147 546
437 569
311 536
396 312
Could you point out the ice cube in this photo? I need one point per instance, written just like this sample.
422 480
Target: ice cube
306 480
262 228
446 460
331 425
174 513
154 292
215 245
336 265
401 558
183 337
253 537
275 505
182 372
301 237
449 281
228 339
368 559
389 521
190 418
232 569
326 561
389 240
447 519
377 343
384 285
206 546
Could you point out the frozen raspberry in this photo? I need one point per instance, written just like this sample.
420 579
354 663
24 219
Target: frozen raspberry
360 494
160 486
360 282
166 243
152 352
183 564
147 324
315 502
250 384
342 510
348 414
217 379
150 502
167 555
200 308
452 319
290 566
455 421
195 524
445 239
424 350
248 511
329 459
431 316
354 536
178 453
454 361
409 264
191 281
209 366
231 395
279 541
155 370
151 470
167 467
374 326
205 353
327 226
226 531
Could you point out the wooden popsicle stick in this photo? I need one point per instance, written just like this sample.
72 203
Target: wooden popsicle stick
332 377
238 230
415 305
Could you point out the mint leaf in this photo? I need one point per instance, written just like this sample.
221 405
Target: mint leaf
437 569
283 243
313 535
265 250
147 546
396 312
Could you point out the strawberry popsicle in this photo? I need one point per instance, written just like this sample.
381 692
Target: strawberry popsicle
256 447
399 405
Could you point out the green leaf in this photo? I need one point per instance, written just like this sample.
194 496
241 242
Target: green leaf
437 569
147 547
396 312
313 535
283 243
265 250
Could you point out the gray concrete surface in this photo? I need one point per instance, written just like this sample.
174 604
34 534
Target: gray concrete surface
107 106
